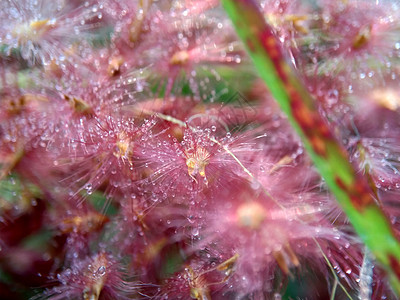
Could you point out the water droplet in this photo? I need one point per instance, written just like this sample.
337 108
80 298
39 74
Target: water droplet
277 296
255 184
195 231
332 97
101 271
89 188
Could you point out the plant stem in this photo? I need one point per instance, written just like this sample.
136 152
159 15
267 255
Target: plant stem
352 189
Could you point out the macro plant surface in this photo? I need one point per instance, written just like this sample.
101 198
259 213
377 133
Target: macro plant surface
142 157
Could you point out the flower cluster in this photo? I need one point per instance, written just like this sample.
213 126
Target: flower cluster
142 158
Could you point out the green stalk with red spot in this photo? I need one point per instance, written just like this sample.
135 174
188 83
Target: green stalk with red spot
352 190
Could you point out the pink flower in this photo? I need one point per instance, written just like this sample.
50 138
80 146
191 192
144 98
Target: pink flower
202 161
178 50
104 150
96 277
355 33
203 277
45 31
271 228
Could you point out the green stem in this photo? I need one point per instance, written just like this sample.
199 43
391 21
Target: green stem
352 190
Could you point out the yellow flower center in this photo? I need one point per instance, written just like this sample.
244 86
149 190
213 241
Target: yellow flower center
33 31
179 58
251 215
197 161
124 148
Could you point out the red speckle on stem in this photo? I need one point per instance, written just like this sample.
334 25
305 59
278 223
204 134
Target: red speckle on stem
360 194
250 45
394 263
